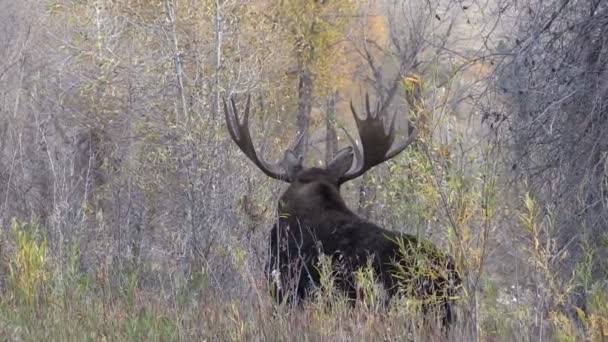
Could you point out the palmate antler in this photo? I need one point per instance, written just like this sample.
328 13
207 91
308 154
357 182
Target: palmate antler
376 143
282 170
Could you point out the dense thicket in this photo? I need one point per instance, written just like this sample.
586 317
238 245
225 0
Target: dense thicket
556 86
127 212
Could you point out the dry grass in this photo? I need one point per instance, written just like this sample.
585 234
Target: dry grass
41 303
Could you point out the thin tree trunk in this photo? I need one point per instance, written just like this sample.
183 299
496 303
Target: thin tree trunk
305 88
177 60
331 140
218 57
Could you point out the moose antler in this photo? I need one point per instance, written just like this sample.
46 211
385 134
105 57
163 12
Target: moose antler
376 144
284 169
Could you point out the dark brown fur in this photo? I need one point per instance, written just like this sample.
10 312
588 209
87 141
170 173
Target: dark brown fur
314 219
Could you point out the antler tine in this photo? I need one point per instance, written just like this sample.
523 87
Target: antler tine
229 122
367 108
353 144
242 137
376 142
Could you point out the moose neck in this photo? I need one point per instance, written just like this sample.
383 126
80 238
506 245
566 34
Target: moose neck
314 199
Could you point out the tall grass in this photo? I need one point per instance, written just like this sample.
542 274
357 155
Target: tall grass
40 303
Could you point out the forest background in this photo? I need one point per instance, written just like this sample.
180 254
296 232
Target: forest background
126 212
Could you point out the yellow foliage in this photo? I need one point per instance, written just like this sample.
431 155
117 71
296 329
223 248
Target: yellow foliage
598 328
563 327
314 31
27 270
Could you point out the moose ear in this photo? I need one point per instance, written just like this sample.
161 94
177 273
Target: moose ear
292 164
342 162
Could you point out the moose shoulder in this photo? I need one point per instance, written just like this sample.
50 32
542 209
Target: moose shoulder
314 220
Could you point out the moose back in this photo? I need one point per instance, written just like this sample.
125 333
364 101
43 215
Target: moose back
313 220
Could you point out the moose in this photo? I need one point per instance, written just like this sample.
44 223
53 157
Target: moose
314 221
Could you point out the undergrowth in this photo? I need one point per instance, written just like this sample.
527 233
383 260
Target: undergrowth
40 302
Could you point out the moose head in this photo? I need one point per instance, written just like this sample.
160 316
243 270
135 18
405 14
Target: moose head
313 220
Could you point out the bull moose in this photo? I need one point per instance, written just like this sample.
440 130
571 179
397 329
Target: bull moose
313 220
